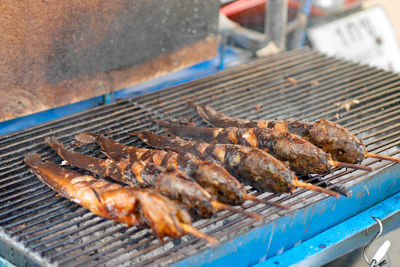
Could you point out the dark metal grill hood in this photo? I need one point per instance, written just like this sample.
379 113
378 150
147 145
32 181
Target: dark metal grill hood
39 227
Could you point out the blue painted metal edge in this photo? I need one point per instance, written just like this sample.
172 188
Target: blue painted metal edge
232 57
342 238
25 122
196 71
273 238
4 263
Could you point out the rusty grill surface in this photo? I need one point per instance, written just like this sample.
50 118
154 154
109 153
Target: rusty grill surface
299 84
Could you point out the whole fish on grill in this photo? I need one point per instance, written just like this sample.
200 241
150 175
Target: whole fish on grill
331 137
303 157
211 176
251 165
170 182
131 206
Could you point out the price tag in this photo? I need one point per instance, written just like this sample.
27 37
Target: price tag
367 37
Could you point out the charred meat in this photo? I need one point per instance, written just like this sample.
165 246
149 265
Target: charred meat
127 205
211 176
329 136
252 165
170 182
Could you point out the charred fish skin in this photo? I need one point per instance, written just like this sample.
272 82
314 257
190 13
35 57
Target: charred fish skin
331 137
170 182
301 128
251 165
112 201
177 186
211 176
217 181
219 119
113 149
338 141
103 168
303 157
256 168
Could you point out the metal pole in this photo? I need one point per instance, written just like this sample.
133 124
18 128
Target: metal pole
275 21
298 35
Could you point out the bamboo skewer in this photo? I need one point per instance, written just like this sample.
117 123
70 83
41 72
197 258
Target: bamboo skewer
378 156
351 166
220 206
193 231
315 188
253 198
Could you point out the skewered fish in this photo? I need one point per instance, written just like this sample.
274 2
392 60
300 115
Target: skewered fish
170 182
211 176
303 157
331 137
252 165
130 206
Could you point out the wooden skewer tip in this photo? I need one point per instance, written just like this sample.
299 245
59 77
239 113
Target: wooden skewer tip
262 201
193 231
315 188
220 206
378 156
351 166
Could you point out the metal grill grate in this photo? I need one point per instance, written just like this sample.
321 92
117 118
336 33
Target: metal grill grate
300 84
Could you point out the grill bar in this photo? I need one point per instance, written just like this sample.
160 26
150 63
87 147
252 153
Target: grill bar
10 190
297 84
367 97
59 211
116 251
376 104
89 242
21 193
24 206
385 114
34 233
25 198
44 244
12 182
291 95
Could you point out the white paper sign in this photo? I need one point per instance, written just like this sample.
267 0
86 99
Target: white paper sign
367 37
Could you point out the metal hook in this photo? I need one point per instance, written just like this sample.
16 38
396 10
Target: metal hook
377 235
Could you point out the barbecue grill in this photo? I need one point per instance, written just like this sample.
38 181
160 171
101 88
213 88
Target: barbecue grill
38 227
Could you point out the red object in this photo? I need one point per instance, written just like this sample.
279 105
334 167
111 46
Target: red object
252 11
